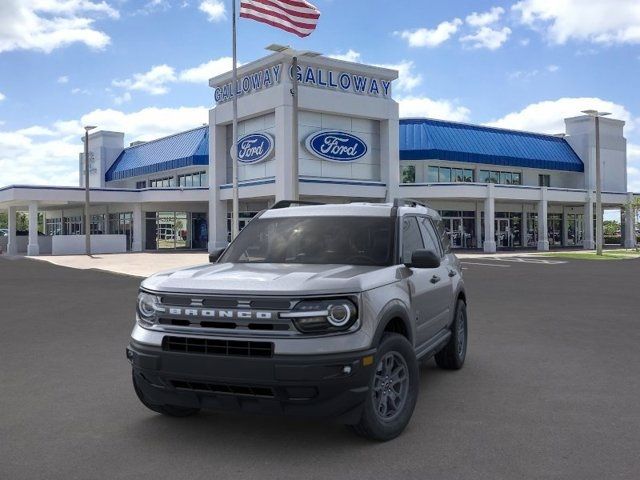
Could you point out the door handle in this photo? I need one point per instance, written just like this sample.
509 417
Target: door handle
452 273
435 279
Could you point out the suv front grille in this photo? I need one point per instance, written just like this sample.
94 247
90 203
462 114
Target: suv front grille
252 391
207 346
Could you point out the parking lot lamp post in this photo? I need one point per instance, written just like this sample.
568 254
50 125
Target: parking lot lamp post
87 217
596 114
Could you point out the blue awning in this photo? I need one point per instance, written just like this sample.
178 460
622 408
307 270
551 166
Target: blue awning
427 139
183 149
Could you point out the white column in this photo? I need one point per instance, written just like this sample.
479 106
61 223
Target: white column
478 225
217 217
284 155
32 247
489 221
12 246
565 227
390 153
629 220
543 236
589 242
138 220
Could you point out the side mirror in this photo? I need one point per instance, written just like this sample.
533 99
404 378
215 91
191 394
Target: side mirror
215 255
424 259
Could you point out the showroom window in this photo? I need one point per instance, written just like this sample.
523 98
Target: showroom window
500 177
447 174
544 180
408 174
197 179
162 182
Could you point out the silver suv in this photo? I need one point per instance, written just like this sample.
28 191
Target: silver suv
314 310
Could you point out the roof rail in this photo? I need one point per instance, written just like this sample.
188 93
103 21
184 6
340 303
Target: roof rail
409 202
291 203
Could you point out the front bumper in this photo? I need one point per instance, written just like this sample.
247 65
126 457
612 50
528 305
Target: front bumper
299 385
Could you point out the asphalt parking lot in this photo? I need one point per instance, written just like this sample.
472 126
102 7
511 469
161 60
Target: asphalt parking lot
550 389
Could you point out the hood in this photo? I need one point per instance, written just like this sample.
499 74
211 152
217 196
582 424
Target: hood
271 279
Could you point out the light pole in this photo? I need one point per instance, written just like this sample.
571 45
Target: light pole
87 217
596 114
294 54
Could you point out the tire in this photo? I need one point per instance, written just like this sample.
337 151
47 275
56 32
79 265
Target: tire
385 415
452 356
169 410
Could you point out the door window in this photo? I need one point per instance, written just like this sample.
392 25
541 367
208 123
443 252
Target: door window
431 241
411 238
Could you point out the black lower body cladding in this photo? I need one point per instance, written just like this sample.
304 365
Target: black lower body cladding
332 386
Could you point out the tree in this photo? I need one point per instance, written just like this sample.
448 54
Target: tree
611 228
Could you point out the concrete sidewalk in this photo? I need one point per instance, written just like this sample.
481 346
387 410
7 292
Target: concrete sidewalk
135 264
145 264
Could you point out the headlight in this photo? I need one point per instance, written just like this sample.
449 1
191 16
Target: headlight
323 316
147 307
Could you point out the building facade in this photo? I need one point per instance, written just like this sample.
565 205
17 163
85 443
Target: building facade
495 188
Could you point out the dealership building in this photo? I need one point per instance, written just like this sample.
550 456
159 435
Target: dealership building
495 188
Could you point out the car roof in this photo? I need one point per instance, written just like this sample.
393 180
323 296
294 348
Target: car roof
354 209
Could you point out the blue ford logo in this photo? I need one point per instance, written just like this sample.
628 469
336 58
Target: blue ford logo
336 146
255 147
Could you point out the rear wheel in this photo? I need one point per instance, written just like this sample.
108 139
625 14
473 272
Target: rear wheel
169 410
393 390
452 356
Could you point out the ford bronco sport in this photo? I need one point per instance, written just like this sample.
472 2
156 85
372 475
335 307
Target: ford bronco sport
314 310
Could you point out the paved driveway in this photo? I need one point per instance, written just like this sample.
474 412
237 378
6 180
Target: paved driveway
550 389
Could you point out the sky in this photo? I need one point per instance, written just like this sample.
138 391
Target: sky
142 66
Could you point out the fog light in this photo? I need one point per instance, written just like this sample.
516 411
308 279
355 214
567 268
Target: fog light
368 360
346 370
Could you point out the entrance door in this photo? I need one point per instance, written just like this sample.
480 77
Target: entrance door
504 236
456 232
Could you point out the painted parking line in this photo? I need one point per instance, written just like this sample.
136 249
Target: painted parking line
540 261
485 264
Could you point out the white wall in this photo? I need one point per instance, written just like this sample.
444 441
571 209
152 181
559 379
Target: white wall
105 146
75 244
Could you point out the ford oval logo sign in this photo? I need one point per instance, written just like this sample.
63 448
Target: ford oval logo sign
336 146
255 147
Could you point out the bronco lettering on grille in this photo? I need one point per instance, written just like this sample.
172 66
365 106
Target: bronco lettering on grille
215 313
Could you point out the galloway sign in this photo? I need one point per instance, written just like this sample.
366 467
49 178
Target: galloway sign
336 146
255 148
264 78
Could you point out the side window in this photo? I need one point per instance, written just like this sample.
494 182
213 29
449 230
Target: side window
442 234
430 238
411 238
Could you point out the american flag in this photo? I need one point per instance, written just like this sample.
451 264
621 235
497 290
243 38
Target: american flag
295 16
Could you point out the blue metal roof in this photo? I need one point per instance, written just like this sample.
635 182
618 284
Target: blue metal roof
180 150
427 139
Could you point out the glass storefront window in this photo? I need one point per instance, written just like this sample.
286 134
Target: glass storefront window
516 178
408 174
175 230
468 175
505 178
484 176
53 226
432 174
445 175
554 229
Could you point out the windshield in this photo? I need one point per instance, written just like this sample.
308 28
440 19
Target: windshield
317 240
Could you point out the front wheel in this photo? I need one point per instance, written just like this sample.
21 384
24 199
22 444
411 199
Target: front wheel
169 410
452 356
393 390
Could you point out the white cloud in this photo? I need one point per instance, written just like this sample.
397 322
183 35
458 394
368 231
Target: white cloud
525 42
154 81
45 25
349 56
488 38
548 116
83 91
203 72
486 18
552 68
415 106
596 21
423 37
214 9
63 79
49 154
124 98
407 78
525 75
2 96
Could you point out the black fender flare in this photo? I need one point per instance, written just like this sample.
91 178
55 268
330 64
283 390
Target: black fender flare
393 309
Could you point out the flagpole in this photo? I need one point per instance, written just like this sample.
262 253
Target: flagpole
295 194
234 149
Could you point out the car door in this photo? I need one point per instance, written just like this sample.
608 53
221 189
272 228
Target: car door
441 279
422 282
